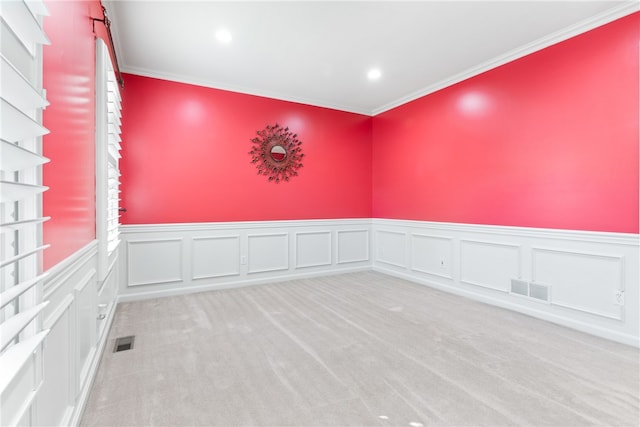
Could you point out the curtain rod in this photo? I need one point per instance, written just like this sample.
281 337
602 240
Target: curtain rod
107 24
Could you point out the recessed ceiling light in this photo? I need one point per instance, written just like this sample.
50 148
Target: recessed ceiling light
223 36
374 74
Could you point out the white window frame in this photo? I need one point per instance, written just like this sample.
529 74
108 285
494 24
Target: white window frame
21 242
108 123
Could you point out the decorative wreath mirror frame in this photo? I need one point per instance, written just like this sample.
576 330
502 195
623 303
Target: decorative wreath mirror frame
277 169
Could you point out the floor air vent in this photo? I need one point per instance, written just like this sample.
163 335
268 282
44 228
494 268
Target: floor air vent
539 291
124 343
519 287
532 290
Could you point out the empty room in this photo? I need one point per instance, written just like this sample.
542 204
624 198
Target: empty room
320 213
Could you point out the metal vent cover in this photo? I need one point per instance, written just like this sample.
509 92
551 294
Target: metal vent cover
538 291
519 287
124 343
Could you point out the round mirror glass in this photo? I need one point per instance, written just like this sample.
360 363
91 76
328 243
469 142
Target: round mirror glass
278 153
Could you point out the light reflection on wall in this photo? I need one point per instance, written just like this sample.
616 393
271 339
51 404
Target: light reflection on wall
474 104
192 111
294 122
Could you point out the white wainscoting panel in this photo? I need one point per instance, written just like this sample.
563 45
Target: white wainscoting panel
477 261
154 261
216 256
86 318
391 247
107 297
18 395
171 259
586 282
313 249
353 246
593 277
73 347
432 255
268 252
58 366
490 265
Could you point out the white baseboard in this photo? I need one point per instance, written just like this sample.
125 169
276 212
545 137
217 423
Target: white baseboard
232 285
593 277
560 320
171 259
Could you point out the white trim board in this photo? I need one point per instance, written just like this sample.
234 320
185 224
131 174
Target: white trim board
262 252
593 277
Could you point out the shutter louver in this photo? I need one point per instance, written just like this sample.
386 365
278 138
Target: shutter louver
21 103
113 109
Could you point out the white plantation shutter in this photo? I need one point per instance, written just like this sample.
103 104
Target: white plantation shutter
108 122
22 100
113 171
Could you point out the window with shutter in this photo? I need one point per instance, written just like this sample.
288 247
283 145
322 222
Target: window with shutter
22 101
108 121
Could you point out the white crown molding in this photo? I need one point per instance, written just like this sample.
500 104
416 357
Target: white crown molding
546 41
606 17
243 90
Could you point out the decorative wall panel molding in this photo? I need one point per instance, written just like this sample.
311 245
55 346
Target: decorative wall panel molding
313 249
215 257
154 261
353 246
432 255
477 261
74 345
490 265
593 278
202 256
268 252
390 247
582 281
86 311
59 365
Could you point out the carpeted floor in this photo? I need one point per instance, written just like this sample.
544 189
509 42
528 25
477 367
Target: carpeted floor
359 349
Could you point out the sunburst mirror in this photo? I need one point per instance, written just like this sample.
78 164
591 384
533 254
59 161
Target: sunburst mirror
277 153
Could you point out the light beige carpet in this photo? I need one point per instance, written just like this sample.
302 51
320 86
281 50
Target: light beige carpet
357 349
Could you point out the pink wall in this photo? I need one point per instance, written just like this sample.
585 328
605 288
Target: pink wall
185 157
69 78
549 140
